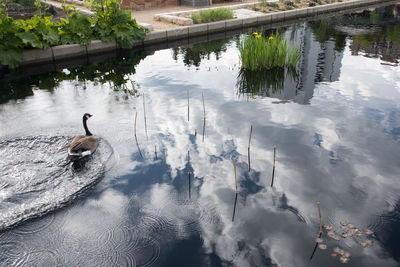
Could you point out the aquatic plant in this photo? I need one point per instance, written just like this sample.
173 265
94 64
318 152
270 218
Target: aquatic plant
212 15
258 52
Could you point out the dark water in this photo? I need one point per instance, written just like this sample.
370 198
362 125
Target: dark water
335 123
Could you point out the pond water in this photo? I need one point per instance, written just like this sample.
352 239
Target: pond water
168 194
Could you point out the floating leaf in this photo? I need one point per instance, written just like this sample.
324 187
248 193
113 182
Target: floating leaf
364 244
328 227
347 254
369 242
344 260
344 235
336 249
319 240
351 226
343 223
322 246
334 255
368 232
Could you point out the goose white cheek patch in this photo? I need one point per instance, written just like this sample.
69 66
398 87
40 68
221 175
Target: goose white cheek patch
86 153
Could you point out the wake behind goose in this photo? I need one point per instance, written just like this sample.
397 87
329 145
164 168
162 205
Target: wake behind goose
35 177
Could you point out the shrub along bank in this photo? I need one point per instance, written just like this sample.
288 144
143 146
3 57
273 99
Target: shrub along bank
108 23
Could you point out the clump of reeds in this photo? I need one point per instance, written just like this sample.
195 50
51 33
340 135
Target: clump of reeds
212 15
259 52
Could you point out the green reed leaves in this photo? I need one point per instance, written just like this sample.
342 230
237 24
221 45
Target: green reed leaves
258 52
212 15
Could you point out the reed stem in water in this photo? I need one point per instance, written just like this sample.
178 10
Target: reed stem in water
204 115
273 168
135 122
320 218
145 120
236 183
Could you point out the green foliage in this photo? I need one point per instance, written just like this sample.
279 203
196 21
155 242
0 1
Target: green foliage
76 28
110 22
273 5
37 32
212 15
11 45
258 52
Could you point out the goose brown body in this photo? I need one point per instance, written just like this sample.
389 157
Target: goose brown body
82 145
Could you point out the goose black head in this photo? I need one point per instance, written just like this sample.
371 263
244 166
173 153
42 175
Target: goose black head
87 116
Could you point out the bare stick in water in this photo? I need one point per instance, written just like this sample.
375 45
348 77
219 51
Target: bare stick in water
189 171
135 122
155 150
195 132
188 102
145 120
204 115
137 144
234 169
273 168
248 147
320 219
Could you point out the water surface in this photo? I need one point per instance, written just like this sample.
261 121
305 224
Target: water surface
335 124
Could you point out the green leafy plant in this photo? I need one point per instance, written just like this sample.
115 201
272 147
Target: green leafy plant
110 22
75 28
212 15
258 52
11 45
37 32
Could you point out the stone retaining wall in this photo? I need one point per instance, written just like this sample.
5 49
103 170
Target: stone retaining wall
201 32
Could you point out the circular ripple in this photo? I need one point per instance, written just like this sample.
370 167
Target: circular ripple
118 258
122 237
147 252
35 226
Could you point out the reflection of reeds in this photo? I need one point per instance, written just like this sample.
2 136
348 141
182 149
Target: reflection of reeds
273 168
195 132
320 230
155 150
234 207
188 102
263 82
145 121
236 183
248 147
204 115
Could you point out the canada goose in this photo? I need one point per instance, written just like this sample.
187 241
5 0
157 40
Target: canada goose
82 145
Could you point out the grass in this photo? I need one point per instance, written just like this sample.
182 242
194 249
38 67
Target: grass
258 52
212 15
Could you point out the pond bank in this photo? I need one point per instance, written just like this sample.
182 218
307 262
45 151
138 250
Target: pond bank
195 33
